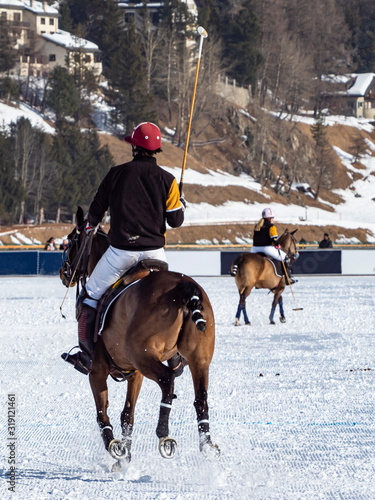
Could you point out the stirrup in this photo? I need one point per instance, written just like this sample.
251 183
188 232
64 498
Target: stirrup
74 360
70 358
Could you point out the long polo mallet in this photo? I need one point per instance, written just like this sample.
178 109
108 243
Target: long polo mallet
203 34
287 277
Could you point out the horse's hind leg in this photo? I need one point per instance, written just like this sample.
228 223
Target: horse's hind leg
199 370
127 415
242 307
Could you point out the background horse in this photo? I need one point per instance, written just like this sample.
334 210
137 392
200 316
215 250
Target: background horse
156 317
254 270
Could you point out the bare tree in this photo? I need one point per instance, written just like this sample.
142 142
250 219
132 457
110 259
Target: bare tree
150 39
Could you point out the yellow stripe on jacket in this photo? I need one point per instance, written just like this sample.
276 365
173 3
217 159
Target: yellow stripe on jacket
173 200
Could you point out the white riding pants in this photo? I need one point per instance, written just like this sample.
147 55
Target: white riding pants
112 265
271 251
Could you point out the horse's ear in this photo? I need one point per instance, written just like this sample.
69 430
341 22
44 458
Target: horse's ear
294 231
80 216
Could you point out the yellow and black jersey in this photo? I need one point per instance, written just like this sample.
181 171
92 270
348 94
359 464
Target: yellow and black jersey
141 197
265 234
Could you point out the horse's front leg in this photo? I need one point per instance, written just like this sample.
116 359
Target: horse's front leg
199 371
273 308
281 307
98 382
127 415
164 376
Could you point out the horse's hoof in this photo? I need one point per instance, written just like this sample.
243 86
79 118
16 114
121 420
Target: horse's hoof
282 319
117 466
237 322
272 322
118 450
211 451
167 447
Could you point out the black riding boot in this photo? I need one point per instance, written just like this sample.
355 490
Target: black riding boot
287 270
82 360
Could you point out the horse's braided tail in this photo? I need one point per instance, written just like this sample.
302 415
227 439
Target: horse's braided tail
235 265
191 296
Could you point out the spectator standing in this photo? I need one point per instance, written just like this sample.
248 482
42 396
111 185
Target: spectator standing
326 242
50 245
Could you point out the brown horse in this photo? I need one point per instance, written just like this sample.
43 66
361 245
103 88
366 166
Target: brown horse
158 316
255 270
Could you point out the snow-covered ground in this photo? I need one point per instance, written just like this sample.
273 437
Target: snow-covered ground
291 406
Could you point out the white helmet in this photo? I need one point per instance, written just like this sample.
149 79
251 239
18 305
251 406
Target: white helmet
268 213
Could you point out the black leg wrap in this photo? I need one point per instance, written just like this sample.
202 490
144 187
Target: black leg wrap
203 422
162 429
106 431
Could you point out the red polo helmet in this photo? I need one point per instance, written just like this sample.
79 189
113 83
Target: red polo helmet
146 135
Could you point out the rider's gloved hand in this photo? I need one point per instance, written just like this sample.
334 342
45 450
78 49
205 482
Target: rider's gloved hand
183 202
277 247
89 228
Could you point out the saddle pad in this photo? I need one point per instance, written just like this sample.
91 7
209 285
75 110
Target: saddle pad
106 304
277 267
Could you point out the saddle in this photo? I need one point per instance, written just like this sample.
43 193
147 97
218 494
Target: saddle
132 276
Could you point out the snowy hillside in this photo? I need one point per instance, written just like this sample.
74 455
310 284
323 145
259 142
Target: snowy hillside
356 210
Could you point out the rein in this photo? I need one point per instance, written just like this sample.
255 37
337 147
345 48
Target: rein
82 254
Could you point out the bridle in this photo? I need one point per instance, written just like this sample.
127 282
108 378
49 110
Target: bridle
292 254
72 270
76 272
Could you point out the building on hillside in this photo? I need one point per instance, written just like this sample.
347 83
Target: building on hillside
65 49
361 95
133 12
41 44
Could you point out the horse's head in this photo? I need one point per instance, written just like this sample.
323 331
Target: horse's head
82 253
69 273
288 243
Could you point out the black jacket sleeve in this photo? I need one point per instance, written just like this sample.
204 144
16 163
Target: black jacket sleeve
100 202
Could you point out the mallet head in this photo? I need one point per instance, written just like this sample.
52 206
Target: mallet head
202 32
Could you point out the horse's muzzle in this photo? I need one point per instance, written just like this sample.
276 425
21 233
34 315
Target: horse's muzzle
66 278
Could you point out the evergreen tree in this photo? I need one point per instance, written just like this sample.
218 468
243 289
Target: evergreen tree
241 34
61 94
128 94
11 190
8 54
360 19
209 17
9 88
80 164
366 47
